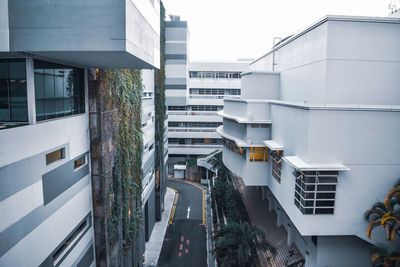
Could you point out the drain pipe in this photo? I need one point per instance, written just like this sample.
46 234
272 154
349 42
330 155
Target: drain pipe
275 41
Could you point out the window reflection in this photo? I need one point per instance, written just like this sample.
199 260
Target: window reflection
13 98
59 90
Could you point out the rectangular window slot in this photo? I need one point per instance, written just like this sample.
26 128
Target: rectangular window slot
54 156
79 162
70 241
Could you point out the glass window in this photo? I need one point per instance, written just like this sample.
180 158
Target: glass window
13 96
318 190
49 93
4 92
235 75
59 90
18 97
258 154
54 156
39 94
79 162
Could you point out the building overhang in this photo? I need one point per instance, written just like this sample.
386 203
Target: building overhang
88 59
300 165
237 141
241 119
272 145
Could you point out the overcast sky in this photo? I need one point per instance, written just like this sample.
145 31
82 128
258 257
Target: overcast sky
231 29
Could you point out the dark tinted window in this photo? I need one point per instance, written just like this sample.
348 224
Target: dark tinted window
59 90
13 97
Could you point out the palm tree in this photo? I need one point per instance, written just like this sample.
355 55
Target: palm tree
383 257
237 244
386 214
216 161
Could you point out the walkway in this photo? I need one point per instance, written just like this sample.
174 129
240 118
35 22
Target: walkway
266 221
153 246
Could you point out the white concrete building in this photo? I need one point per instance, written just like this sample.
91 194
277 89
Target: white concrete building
45 175
318 128
192 127
194 93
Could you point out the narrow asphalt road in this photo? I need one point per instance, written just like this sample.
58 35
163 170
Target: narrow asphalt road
185 240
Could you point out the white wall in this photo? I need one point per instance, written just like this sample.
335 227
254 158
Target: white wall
43 136
365 141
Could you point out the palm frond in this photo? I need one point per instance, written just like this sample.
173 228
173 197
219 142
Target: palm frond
371 226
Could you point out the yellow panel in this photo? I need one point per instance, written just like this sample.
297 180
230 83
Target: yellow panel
259 156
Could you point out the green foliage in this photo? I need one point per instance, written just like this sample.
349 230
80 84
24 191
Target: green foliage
386 214
160 101
237 244
218 192
225 194
234 207
191 162
124 194
216 161
383 257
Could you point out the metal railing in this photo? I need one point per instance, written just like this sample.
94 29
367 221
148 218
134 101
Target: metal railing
193 113
212 96
193 146
194 130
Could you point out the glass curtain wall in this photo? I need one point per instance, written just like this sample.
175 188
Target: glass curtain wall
13 96
59 90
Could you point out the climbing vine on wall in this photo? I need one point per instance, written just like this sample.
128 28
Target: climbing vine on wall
124 194
160 101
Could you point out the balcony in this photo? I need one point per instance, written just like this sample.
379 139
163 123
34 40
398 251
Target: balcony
181 132
187 149
194 116
91 33
247 111
213 96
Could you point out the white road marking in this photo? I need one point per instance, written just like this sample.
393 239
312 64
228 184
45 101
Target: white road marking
188 212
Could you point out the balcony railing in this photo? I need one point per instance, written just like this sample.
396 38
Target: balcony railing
194 146
213 96
193 113
195 130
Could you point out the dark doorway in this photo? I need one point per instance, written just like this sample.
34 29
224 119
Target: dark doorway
146 221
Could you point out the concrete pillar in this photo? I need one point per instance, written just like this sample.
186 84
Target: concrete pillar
263 192
30 90
290 235
278 217
269 202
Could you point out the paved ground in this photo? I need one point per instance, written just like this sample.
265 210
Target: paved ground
185 239
257 208
153 246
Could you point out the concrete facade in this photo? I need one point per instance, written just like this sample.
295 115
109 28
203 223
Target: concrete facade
329 106
92 34
54 168
194 93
